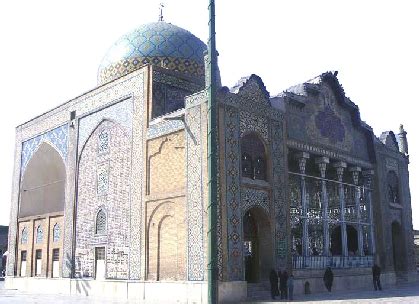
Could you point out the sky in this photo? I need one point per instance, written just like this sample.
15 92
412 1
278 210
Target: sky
50 52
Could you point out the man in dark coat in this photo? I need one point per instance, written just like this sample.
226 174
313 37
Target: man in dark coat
328 279
283 284
376 272
273 279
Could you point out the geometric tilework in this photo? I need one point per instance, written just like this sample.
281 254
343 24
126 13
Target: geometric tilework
195 202
157 43
120 112
196 158
56 138
137 232
278 159
254 198
232 196
251 122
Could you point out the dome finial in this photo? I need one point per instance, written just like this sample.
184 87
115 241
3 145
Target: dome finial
161 11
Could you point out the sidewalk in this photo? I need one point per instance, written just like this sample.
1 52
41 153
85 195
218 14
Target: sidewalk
407 293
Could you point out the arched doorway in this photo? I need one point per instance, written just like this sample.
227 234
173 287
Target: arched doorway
336 240
258 258
399 255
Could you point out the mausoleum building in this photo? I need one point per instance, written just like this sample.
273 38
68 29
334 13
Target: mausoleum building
110 188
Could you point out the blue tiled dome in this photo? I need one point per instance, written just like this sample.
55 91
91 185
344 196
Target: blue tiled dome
158 43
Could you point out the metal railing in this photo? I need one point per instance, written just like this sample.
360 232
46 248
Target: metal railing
321 262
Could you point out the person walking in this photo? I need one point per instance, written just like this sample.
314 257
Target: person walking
376 272
283 285
290 287
273 279
328 279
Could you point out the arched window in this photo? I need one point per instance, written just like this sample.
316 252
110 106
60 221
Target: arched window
393 187
253 157
24 236
101 222
39 234
247 168
56 231
103 146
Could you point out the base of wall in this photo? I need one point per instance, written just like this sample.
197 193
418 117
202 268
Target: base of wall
232 292
149 292
348 279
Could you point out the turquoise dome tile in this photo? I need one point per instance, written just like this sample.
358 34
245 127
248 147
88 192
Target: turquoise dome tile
152 43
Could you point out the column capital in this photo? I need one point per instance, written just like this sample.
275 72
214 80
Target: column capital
368 174
355 173
302 160
322 162
300 155
340 164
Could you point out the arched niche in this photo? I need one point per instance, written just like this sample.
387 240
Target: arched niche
258 245
253 157
43 183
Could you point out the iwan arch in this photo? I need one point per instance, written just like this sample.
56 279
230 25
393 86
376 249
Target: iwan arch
110 188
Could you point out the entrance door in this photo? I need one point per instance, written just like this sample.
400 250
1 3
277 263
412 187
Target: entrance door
258 255
399 255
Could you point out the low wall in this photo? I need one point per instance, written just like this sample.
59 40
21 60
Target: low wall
348 279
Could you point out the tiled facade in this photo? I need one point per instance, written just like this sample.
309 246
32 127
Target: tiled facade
135 153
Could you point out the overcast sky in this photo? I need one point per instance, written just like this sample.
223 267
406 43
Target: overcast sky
50 52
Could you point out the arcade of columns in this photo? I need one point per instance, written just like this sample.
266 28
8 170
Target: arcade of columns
356 214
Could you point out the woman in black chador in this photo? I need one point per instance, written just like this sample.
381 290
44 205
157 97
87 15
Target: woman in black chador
328 279
273 279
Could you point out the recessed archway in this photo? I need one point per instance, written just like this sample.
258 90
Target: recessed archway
43 183
399 254
258 255
336 240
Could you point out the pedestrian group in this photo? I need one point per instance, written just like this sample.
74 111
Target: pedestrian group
285 288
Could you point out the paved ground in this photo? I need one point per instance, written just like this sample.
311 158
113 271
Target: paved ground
408 293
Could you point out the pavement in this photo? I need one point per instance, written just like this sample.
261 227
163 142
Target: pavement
407 293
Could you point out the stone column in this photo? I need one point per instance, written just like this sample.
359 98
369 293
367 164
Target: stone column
302 160
355 177
340 167
322 163
368 183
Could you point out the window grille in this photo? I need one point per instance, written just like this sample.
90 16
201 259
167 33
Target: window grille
39 235
103 142
393 187
56 233
24 237
253 160
23 256
100 253
101 222
55 254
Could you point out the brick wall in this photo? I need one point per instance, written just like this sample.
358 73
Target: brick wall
114 199
166 163
165 208
166 239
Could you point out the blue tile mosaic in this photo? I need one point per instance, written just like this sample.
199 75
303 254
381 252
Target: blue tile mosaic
58 138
